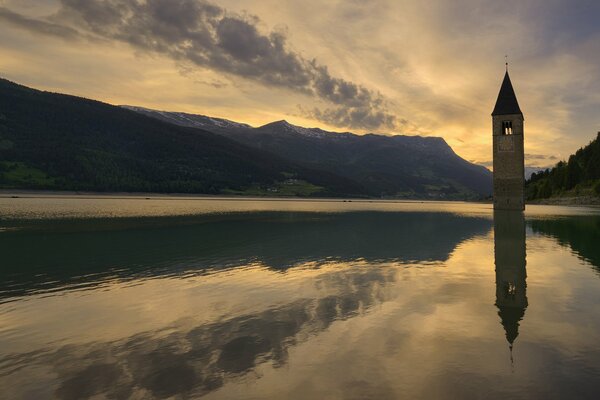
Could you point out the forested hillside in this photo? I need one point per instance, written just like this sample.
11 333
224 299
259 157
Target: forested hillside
60 142
387 165
580 175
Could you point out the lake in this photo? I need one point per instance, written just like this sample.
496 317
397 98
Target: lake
220 298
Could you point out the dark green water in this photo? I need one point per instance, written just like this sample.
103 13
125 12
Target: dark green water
161 298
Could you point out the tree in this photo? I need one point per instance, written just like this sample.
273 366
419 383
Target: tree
573 173
597 188
545 190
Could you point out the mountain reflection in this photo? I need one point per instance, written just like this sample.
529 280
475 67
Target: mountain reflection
298 305
580 234
189 358
511 274
178 360
49 256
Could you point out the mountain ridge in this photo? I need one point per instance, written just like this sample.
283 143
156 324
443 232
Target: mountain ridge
60 142
314 131
53 141
410 170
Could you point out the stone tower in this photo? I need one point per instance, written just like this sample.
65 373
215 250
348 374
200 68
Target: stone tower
509 154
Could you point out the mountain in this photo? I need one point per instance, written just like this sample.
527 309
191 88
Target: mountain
578 177
532 170
190 120
404 166
61 142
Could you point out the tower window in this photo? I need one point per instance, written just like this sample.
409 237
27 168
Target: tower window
507 128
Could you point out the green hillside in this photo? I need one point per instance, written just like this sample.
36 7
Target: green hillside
580 176
60 142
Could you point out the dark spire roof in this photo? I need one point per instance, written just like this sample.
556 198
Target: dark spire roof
507 100
510 318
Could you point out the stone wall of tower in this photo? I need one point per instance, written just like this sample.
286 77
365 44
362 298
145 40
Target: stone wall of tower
509 163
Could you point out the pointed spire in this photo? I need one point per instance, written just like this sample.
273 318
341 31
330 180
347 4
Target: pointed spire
510 318
507 100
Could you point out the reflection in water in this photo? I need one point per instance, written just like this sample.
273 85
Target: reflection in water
295 305
511 274
581 234
192 361
188 358
78 253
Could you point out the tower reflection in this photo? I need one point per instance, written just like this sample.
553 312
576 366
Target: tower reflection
511 273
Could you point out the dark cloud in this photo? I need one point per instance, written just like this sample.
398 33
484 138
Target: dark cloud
530 157
38 26
539 157
214 83
368 118
209 36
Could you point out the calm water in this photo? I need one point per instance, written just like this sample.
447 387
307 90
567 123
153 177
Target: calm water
140 298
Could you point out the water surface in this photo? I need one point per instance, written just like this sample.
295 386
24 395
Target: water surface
227 298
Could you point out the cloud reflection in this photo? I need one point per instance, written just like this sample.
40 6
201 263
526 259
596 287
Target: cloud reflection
180 361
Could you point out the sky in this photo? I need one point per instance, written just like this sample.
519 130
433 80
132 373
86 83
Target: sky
429 68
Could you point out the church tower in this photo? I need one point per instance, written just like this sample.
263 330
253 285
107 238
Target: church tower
508 153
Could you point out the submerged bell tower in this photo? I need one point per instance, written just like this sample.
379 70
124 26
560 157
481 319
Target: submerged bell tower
509 152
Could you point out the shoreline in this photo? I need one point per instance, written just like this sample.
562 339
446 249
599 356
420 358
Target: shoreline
24 193
586 201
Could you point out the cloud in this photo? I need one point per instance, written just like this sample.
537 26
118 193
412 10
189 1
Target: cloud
207 35
531 164
438 63
38 26
529 156
367 118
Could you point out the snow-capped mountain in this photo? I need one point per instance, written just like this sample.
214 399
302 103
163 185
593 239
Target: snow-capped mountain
394 165
191 120
285 127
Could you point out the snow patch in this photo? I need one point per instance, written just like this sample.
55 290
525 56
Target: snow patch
190 120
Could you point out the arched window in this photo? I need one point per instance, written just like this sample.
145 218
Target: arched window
507 127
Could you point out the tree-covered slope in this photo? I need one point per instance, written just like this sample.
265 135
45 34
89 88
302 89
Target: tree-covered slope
402 166
55 141
579 176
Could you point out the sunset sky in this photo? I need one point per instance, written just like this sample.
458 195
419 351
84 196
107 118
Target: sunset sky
429 68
